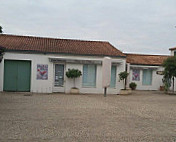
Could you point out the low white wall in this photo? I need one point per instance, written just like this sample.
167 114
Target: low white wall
156 80
46 86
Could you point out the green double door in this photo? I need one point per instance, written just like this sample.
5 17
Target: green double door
17 75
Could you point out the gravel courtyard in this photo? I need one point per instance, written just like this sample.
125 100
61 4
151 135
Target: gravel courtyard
140 117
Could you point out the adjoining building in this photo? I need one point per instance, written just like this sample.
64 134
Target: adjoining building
173 51
145 70
36 64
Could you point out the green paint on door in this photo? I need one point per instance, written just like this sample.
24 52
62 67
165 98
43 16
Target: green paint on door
17 75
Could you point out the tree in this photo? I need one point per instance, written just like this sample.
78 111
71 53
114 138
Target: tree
123 76
169 72
73 73
1 30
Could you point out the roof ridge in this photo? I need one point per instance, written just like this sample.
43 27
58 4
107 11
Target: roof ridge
52 38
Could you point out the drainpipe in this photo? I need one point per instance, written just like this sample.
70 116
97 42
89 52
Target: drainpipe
128 78
173 84
1 53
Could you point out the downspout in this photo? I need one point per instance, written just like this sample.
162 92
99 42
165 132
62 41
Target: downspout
1 53
127 82
173 84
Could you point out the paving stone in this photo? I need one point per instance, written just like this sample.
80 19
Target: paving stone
144 116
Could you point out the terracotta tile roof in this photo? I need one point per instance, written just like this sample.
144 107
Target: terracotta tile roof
173 48
142 59
59 46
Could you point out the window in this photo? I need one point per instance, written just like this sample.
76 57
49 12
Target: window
147 77
89 75
136 75
113 77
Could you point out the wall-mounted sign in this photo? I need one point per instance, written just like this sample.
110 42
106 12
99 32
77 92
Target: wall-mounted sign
136 75
160 72
42 72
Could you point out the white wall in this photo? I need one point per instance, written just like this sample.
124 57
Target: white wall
42 86
172 52
46 86
156 79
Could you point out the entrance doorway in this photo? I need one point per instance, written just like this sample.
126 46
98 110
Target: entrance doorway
59 77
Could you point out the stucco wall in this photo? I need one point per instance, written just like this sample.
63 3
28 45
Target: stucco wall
156 79
46 86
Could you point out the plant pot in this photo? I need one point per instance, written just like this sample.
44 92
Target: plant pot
161 88
133 88
74 91
125 92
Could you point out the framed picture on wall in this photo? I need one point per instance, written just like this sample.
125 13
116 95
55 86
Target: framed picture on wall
42 72
136 75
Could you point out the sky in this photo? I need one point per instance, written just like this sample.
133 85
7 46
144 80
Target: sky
132 26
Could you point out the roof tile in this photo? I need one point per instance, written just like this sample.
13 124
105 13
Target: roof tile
142 59
53 45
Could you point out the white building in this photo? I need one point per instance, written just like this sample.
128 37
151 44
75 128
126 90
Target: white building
145 71
173 51
35 64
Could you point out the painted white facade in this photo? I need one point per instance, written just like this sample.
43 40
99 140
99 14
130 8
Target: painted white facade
47 86
156 79
172 52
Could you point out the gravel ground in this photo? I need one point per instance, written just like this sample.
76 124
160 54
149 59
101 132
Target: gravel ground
140 117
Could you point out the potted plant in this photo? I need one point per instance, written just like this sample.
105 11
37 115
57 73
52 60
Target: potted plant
73 74
133 85
162 87
123 76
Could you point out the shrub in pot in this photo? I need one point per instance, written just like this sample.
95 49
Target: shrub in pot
73 74
133 85
123 76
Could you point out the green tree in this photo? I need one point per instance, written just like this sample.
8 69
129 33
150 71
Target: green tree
169 72
1 30
73 73
123 76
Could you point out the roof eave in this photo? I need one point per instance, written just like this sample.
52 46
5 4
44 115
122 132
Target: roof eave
62 53
172 48
145 64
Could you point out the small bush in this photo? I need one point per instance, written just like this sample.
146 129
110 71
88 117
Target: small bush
123 76
133 85
73 73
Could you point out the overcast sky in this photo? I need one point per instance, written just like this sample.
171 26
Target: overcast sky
134 26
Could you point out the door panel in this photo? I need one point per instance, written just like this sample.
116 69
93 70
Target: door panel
10 76
24 71
17 75
59 75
